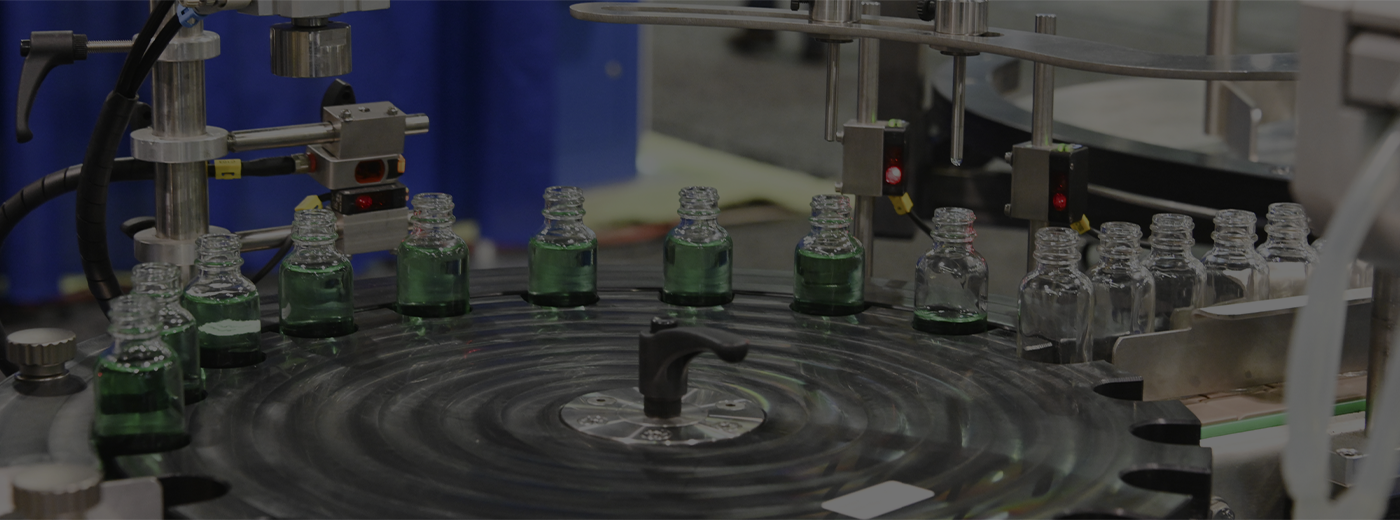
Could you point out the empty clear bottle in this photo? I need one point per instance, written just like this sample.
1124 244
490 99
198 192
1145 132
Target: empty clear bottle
1178 277
1056 302
161 282
1290 257
564 254
829 263
225 305
950 286
1235 272
1123 289
316 288
698 263
432 262
140 396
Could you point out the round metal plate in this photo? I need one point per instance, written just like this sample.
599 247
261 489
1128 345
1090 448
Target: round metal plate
461 417
706 416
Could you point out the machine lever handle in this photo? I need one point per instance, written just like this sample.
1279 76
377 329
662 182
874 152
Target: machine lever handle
43 51
665 355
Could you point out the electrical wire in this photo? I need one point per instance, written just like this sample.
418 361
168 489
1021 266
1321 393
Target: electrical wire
139 46
928 230
276 259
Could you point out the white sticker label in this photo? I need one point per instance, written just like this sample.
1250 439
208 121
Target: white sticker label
231 327
877 500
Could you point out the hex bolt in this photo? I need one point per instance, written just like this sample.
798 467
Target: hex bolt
392 111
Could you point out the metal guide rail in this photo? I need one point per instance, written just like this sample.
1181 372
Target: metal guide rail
462 417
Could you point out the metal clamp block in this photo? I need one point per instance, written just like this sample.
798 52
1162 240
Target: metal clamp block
862 159
150 248
173 150
374 231
200 47
366 129
338 174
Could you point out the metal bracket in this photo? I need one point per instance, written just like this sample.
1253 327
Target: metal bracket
1233 346
173 150
374 231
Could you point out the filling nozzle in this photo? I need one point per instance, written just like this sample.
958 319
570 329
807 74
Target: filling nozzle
964 18
832 12
833 86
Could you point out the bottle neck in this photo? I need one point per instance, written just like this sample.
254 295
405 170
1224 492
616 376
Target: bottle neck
954 235
1172 243
1116 252
1288 234
1233 239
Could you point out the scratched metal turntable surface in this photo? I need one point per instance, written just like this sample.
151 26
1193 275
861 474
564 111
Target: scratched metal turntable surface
460 417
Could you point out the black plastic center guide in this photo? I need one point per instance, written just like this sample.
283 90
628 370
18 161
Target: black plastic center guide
664 356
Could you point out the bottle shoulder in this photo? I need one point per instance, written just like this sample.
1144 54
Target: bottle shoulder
135 356
700 235
830 243
226 285
1056 281
564 232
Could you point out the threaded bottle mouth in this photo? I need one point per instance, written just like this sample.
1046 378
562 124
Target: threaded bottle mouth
220 250
831 211
1056 245
954 224
433 208
1234 227
1119 240
158 279
1172 230
313 226
563 201
698 202
133 317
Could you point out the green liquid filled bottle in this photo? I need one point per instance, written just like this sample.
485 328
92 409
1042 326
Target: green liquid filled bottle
564 255
698 264
137 383
316 287
950 285
161 282
225 306
829 262
432 262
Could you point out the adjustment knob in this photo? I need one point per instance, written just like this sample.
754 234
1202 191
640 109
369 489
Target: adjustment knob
41 353
56 490
925 9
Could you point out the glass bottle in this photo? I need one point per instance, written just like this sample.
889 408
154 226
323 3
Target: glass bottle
1124 293
950 286
1235 272
225 305
1178 277
564 254
432 262
1287 251
316 288
698 268
829 262
1056 302
161 282
140 396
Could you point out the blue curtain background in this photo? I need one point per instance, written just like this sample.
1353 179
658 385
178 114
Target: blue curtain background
521 97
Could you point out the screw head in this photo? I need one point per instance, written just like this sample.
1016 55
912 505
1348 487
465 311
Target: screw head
1349 453
392 111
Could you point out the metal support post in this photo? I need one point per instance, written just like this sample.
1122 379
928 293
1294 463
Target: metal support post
178 110
1042 121
1220 39
867 100
1385 315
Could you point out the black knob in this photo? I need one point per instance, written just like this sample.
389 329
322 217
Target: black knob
43 51
665 355
925 9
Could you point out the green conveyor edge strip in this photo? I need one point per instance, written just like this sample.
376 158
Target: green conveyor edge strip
1272 420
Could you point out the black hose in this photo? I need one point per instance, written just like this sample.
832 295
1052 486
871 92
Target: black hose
276 259
920 222
148 62
138 48
50 186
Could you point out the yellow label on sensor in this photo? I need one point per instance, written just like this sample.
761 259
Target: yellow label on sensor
228 168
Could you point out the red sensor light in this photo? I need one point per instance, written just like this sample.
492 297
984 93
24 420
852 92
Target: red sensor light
1060 201
893 175
364 201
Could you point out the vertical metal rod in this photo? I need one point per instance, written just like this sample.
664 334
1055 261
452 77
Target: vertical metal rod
1220 39
868 88
959 102
867 101
1043 92
1385 315
833 86
178 110
1042 121
1031 228
864 227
